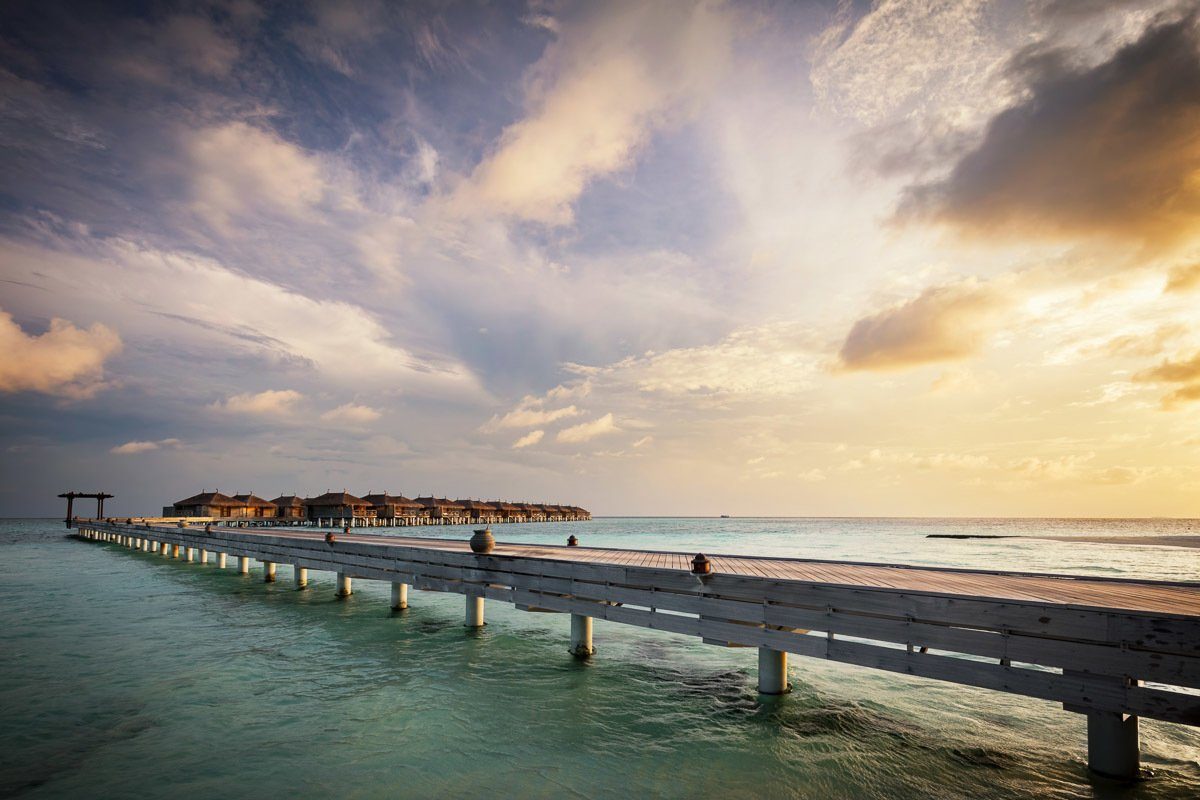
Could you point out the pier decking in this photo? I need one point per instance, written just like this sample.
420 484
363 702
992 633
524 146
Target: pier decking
1112 649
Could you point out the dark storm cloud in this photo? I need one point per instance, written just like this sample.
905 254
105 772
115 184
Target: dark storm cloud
1106 150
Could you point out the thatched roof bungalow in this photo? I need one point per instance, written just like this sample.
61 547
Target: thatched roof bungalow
255 506
391 506
209 504
338 504
289 506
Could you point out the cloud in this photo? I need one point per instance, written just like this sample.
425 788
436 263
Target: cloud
133 448
351 414
531 412
531 438
1186 372
237 169
773 360
1184 278
65 361
271 402
943 323
642 442
149 286
588 430
594 99
1109 150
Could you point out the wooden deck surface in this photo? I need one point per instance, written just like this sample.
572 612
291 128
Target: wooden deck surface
1099 593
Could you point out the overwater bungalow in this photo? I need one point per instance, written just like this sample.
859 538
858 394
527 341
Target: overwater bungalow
255 506
444 512
480 511
395 507
289 506
338 505
208 504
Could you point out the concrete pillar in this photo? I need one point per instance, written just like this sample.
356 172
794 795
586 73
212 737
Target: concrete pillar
772 671
174 551
145 545
581 636
221 560
474 612
243 565
1113 744
268 572
301 574
203 556
165 549
399 596
344 588
189 554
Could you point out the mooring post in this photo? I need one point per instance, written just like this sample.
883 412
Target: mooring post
474 612
1113 744
581 636
301 576
772 671
243 565
268 572
399 596
221 560
344 588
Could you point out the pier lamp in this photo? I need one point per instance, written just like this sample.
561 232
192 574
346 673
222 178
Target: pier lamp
572 541
701 564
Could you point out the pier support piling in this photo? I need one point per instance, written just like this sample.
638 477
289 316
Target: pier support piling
174 551
474 612
581 636
399 596
243 565
772 671
189 554
268 572
165 549
301 576
203 556
221 560
344 588
1113 745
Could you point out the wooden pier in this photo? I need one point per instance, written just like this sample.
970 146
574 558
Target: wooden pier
1111 649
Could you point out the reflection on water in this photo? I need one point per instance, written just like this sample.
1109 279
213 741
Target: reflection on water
122 674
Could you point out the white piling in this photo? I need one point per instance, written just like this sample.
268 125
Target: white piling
189 553
344 587
203 556
268 572
301 576
174 551
474 612
581 636
399 596
221 560
243 565
772 671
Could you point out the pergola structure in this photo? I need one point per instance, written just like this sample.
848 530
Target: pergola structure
99 497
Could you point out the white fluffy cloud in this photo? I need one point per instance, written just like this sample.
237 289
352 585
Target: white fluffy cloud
135 447
271 402
586 431
594 99
529 439
351 414
65 360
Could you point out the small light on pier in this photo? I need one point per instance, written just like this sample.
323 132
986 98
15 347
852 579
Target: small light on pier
701 564
572 541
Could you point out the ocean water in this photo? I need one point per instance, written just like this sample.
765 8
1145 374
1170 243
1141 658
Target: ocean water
127 675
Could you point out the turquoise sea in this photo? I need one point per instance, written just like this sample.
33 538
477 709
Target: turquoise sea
126 675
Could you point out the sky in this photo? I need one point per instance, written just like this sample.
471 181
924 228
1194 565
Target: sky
902 257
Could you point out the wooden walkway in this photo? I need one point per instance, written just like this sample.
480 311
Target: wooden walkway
1113 649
